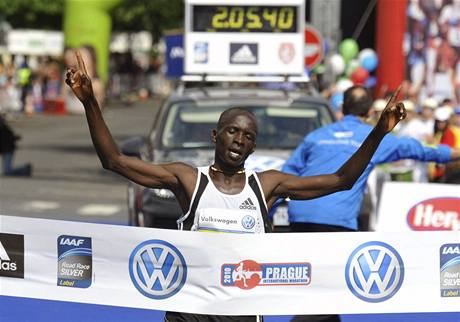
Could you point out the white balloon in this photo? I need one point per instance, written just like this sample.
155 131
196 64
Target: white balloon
343 84
366 52
337 64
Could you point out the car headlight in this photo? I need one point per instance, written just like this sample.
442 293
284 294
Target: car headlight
163 193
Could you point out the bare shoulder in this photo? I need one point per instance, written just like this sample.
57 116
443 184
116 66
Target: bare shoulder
180 169
271 179
186 176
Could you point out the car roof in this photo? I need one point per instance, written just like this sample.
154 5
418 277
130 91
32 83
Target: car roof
252 93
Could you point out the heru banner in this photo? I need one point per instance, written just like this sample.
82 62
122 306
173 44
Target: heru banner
428 207
230 274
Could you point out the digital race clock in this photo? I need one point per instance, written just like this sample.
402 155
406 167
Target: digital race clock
244 37
213 18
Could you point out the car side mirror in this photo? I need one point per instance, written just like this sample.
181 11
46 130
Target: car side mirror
132 146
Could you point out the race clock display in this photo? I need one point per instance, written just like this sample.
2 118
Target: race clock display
242 37
236 18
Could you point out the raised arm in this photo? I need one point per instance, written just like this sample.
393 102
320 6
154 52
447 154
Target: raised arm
278 184
169 175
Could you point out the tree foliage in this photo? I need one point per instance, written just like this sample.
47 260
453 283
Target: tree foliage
130 15
153 15
33 14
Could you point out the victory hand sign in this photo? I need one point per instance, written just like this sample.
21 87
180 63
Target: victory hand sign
392 114
79 80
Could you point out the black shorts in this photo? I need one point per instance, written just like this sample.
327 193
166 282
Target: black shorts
188 317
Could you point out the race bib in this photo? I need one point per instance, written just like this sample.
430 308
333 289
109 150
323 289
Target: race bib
228 221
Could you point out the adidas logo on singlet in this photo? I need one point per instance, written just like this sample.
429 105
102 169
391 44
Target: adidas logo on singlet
248 204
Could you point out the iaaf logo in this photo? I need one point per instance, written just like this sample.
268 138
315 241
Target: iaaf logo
450 270
435 214
248 274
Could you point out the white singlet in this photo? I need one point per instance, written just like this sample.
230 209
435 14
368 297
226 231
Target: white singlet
215 211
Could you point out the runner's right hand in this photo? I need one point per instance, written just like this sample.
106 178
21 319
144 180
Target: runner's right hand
79 81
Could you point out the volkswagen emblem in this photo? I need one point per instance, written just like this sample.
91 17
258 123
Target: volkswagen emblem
374 272
248 222
157 269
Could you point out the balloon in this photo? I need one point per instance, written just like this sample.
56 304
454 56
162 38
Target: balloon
351 67
319 69
368 59
343 84
371 82
337 64
359 76
336 101
348 48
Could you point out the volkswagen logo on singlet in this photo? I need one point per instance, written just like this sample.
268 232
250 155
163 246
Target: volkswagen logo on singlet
374 272
157 269
248 222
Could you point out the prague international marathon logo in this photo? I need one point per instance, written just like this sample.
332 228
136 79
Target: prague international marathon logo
248 274
157 269
75 261
374 272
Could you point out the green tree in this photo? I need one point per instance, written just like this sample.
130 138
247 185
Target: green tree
153 15
34 14
130 15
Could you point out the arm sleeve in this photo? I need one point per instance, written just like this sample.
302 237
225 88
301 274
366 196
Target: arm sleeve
297 160
394 149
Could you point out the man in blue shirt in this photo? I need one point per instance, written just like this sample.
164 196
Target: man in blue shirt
326 149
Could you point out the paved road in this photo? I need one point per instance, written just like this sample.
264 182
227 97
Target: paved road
68 181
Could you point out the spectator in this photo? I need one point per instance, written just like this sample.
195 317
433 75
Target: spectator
326 148
445 135
7 148
413 127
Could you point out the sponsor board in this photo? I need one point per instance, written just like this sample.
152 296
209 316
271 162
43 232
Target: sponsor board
11 255
374 272
428 207
450 270
75 261
157 269
435 214
248 274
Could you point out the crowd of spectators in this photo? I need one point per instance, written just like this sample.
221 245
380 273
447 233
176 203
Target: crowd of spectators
35 84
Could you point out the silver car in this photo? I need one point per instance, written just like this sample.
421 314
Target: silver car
182 132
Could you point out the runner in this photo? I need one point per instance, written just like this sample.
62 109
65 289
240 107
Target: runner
225 184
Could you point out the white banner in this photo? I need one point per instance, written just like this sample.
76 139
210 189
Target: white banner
230 274
428 206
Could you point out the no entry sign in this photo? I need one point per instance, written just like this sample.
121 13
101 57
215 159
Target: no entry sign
314 47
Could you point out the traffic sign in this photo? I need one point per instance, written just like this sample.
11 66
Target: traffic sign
314 47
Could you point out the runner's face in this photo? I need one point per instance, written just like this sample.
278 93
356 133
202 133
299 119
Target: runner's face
236 140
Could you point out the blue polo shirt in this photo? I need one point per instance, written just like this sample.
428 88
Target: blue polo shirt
326 149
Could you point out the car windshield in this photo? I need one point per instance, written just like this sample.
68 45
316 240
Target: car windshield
189 125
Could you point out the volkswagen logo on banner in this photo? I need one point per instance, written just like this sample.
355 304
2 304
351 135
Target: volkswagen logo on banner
374 272
157 269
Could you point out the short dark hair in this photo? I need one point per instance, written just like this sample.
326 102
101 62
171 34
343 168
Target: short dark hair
231 112
357 101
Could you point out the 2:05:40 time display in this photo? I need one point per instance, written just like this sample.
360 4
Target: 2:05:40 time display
244 19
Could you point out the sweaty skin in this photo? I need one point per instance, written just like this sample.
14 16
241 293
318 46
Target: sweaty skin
235 139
